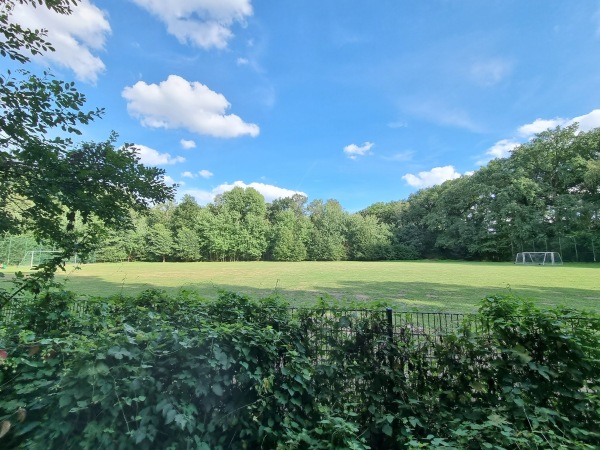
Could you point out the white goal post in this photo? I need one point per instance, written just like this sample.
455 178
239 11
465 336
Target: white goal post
33 258
539 258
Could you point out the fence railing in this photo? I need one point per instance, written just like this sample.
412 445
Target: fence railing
336 325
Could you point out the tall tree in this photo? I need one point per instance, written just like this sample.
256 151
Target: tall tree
48 182
368 239
244 218
327 236
187 245
160 241
288 236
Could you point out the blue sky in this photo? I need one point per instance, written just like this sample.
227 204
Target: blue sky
352 100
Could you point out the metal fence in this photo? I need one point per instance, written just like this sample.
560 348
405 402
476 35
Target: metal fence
326 328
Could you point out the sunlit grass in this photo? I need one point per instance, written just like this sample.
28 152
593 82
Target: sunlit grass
422 285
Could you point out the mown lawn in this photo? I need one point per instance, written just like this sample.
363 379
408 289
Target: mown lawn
422 285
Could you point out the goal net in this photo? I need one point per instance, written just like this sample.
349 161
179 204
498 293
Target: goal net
539 258
34 258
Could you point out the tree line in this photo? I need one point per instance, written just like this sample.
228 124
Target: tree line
544 197
81 197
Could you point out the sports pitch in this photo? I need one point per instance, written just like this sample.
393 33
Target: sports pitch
422 285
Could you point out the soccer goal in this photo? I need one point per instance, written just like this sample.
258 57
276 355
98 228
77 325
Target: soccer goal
539 258
33 258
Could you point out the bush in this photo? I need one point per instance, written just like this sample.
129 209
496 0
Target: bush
160 371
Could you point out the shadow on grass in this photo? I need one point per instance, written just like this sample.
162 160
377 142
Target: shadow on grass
399 295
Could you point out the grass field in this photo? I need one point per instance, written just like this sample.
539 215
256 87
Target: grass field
422 285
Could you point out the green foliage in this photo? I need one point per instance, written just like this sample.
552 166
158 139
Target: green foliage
289 233
160 241
63 193
367 238
327 235
544 193
545 196
160 371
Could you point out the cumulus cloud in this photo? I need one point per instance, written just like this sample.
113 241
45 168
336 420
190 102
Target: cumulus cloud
151 157
539 125
178 103
353 151
187 174
503 148
201 196
187 144
586 122
437 175
75 37
205 173
203 23
169 180
268 191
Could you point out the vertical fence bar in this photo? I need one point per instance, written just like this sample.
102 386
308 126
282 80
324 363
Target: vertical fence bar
390 332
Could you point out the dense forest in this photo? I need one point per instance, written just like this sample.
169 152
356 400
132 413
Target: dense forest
544 197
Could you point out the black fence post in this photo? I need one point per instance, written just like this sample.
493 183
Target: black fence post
390 333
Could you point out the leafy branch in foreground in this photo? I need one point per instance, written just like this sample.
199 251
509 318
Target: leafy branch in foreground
50 184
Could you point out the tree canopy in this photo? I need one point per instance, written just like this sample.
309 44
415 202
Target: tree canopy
63 192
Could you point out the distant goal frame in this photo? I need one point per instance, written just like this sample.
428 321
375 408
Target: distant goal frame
539 259
34 258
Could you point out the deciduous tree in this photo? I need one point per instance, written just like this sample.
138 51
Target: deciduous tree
49 183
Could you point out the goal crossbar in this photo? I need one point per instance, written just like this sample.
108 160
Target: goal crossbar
539 258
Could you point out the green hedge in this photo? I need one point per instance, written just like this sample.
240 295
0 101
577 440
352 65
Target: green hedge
178 372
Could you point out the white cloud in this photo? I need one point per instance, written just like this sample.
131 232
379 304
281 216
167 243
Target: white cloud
500 149
353 151
74 37
242 61
187 144
268 191
151 157
586 122
437 175
398 124
539 125
178 103
187 174
169 180
205 173
203 23
491 72
202 197
504 147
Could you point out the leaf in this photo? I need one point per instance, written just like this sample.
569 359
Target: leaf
344 322
217 389
4 428
387 429
170 416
